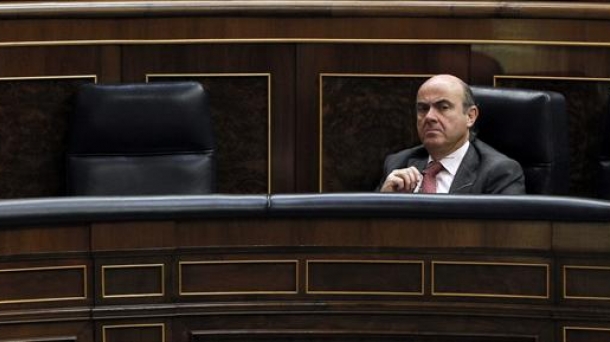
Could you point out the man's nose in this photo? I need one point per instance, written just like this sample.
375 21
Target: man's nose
431 114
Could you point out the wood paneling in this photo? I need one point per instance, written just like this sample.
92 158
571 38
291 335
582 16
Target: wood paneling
30 284
314 60
47 332
369 277
238 277
144 235
138 280
252 98
369 327
239 105
36 240
406 233
339 336
310 279
149 332
319 93
362 117
292 116
586 282
33 134
588 334
589 237
491 279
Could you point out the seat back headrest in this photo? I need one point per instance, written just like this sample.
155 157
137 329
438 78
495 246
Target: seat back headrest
531 127
141 139
141 118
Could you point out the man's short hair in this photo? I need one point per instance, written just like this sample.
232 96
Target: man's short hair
468 100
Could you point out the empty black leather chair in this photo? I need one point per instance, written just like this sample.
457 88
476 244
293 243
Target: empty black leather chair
531 127
141 139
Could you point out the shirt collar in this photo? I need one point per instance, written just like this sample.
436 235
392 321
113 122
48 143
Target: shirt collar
452 161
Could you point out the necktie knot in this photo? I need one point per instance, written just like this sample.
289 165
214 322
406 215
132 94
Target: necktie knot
433 168
428 185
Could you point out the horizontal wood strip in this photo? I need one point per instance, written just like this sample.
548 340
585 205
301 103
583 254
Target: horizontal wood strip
502 9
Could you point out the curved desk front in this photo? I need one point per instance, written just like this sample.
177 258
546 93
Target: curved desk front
314 267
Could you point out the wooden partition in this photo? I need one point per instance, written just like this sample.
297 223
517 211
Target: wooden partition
307 96
356 267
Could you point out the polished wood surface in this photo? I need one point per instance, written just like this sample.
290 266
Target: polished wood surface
306 279
317 115
335 70
410 8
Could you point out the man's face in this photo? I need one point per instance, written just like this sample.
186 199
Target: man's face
442 124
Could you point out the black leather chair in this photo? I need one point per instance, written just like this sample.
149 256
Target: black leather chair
141 139
531 127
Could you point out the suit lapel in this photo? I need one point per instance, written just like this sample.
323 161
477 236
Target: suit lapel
466 173
419 163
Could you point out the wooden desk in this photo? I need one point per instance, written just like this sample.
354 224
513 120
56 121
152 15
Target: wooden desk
343 267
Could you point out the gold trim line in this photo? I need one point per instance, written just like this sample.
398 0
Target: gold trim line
48 299
127 326
397 41
228 262
367 261
488 295
133 295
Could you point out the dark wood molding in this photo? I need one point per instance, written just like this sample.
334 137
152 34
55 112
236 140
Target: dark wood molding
311 8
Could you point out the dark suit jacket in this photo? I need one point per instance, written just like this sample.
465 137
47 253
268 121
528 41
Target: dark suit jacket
482 171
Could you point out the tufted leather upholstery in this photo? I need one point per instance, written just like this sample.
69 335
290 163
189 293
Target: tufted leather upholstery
531 127
141 139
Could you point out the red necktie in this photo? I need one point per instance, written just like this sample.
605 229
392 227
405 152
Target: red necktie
428 185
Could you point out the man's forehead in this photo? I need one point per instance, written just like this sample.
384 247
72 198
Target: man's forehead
441 86
434 100
435 95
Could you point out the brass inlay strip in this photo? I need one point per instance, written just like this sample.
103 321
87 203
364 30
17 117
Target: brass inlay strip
153 294
321 106
360 333
383 293
49 268
566 328
128 326
269 120
491 295
393 41
229 262
58 77
45 339
553 78
577 267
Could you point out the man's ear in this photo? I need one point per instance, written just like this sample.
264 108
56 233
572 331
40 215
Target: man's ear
473 114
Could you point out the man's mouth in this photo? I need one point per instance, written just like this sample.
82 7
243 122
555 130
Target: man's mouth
432 130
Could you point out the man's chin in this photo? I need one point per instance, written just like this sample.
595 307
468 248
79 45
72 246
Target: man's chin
432 142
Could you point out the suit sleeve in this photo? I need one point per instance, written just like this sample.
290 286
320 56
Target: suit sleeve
506 179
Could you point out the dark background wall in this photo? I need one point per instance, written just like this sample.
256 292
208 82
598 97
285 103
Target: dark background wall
305 99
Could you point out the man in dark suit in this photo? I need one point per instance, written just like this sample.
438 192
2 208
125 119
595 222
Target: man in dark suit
450 159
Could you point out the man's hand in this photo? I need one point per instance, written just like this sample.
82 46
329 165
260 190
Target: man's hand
402 180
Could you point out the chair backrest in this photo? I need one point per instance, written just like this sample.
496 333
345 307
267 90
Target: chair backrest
530 126
141 139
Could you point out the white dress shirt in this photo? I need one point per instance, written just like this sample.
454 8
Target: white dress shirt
450 163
